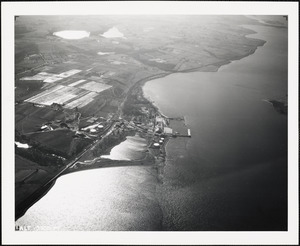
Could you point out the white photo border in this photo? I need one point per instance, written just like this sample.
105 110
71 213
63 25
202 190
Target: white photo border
10 9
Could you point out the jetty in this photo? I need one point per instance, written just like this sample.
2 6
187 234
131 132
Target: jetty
175 118
183 135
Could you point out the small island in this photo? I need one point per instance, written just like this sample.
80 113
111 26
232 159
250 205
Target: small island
280 106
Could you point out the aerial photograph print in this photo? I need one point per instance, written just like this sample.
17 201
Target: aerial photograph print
152 123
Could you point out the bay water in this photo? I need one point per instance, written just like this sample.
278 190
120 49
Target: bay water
232 173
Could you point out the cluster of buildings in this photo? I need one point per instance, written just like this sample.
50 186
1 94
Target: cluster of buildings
161 126
161 130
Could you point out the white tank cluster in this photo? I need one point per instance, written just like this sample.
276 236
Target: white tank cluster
156 145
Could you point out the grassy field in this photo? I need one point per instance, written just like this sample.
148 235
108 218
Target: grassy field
29 118
59 140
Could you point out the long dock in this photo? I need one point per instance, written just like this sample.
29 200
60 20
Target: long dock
183 135
175 118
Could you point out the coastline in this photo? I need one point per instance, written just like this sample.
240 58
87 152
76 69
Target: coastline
32 199
158 163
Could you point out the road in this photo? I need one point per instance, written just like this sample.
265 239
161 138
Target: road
36 195
109 131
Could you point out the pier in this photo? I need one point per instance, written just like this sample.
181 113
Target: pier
175 118
182 135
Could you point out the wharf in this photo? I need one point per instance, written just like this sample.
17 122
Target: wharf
183 135
175 118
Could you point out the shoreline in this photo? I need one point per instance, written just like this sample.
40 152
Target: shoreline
158 163
33 198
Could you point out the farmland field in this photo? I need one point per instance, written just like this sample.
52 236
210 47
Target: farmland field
94 86
59 140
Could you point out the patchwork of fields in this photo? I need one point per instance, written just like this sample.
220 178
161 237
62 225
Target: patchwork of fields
50 77
77 94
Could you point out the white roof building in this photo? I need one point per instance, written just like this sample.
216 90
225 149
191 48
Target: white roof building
168 130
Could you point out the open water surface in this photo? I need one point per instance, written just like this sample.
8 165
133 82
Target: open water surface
133 148
72 34
232 173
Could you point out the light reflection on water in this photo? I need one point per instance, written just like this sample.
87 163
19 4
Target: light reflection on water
105 199
133 148
120 198
21 145
113 33
72 34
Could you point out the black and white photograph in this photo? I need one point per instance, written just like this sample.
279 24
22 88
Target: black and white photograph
172 119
